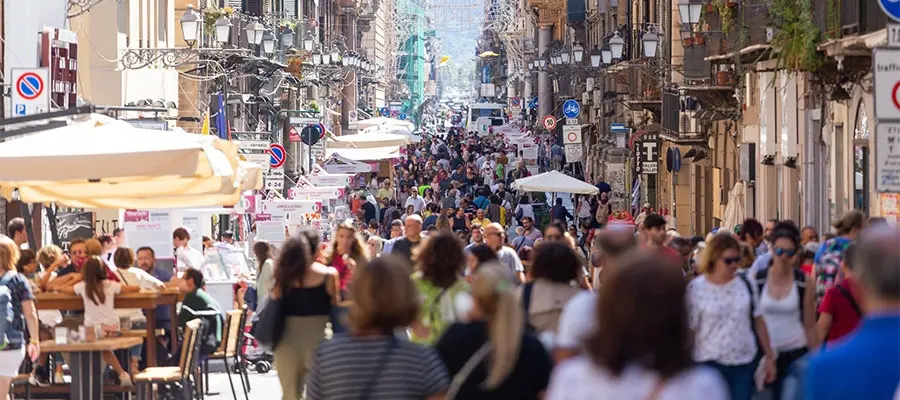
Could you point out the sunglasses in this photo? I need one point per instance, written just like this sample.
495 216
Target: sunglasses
731 260
779 251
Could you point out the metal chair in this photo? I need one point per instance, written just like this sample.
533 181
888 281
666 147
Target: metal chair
187 364
229 349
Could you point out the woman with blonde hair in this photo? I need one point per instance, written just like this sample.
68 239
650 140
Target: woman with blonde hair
493 356
726 318
347 251
23 316
371 362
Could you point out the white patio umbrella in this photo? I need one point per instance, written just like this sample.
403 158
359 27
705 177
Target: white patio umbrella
554 182
102 158
734 211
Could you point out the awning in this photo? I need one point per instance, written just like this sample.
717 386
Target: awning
368 140
366 154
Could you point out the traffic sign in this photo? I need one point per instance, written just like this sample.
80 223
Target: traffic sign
385 111
310 135
30 94
262 145
402 116
891 8
676 160
571 134
574 153
571 108
549 122
887 157
277 155
893 35
515 101
886 67
293 135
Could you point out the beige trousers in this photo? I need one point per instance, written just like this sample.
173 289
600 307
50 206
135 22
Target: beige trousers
294 353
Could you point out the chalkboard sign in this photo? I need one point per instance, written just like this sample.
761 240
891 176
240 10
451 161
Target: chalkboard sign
74 225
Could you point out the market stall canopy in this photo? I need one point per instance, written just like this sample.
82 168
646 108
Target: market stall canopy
337 164
554 182
367 154
367 140
110 163
384 122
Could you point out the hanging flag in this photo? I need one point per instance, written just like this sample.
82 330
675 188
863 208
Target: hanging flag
204 129
221 120
443 61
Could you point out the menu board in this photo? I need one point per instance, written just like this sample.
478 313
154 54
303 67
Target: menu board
150 228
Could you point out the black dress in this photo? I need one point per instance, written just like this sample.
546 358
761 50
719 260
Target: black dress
529 378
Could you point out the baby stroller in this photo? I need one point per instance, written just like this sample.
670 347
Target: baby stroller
253 356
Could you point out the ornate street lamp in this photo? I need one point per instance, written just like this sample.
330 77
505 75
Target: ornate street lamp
317 59
326 58
649 42
268 42
578 52
606 54
596 57
345 60
287 37
255 32
223 29
617 46
335 56
690 11
190 25
563 57
308 44
542 63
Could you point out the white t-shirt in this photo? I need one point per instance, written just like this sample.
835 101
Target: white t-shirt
580 379
577 321
189 257
105 312
140 278
720 319
417 202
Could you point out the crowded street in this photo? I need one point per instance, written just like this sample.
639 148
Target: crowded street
450 200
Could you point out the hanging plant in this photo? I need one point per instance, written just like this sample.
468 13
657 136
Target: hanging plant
727 11
796 37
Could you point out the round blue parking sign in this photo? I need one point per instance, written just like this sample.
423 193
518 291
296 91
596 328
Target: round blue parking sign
571 109
891 8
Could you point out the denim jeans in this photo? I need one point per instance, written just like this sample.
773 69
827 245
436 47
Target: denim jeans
739 378
338 319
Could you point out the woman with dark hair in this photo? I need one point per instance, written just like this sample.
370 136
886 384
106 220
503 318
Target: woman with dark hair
554 270
644 349
307 291
477 255
445 296
265 271
347 252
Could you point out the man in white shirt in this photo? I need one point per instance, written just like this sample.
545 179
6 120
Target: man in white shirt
493 237
185 255
414 200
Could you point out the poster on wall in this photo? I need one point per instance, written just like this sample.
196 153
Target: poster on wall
150 228
890 207
74 225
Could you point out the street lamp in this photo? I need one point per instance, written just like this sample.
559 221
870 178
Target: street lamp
268 42
690 11
596 57
335 56
606 53
649 43
308 44
326 58
287 37
317 59
542 63
617 46
563 57
578 52
255 32
223 29
190 25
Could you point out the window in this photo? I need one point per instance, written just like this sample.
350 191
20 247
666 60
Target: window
162 16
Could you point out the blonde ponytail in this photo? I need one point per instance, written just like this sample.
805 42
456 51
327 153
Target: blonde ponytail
496 297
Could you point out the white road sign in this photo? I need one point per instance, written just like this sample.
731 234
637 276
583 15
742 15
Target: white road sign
574 153
277 184
887 157
261 159
571 134
30 91
261 145
886 67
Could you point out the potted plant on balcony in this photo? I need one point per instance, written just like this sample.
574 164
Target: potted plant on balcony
687 40
651 94
699 38
726 78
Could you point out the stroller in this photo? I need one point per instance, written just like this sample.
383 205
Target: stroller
253 356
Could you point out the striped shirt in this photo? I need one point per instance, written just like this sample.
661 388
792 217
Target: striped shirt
345 366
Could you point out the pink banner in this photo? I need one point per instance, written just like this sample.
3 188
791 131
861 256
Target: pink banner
137 216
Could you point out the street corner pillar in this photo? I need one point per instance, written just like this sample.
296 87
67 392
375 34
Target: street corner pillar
545 100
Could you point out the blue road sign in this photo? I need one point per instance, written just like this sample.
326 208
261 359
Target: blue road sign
571 109
385 111
20 109
402 117
618 128
891 8
676 160
276 155
30 86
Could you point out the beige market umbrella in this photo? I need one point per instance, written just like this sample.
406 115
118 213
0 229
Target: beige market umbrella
734 211
105 160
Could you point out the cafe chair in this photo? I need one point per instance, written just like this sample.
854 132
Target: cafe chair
21 380
229 349
188 363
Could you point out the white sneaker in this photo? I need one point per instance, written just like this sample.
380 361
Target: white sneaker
125 380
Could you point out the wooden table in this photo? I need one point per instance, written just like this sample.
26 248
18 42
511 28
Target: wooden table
147 301
85 364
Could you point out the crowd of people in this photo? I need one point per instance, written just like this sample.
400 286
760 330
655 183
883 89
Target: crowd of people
448 285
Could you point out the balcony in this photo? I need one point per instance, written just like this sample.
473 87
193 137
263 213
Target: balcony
679 124
849 27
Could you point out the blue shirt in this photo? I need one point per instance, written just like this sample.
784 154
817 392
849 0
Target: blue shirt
866 366
163 312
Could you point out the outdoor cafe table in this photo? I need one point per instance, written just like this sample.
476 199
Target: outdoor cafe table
147 301
86 357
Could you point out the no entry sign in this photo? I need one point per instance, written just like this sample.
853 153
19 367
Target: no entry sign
29 93
276 155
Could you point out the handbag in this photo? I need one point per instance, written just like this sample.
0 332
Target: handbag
269 325
460 378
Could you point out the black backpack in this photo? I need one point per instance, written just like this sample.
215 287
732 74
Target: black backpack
799 281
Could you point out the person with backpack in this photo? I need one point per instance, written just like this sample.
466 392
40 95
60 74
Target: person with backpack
554 270
840 312
18 317
786 305
444 292
831 253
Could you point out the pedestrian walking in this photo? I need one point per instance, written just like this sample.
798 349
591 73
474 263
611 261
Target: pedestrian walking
438 277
